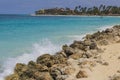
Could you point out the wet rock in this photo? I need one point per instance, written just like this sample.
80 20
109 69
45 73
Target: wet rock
81 74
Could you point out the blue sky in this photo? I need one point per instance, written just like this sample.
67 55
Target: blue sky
29 6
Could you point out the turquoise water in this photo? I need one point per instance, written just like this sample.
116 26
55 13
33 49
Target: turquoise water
24 37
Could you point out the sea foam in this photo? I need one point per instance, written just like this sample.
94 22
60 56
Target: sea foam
45 46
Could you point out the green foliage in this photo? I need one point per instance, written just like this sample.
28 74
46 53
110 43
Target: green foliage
79 10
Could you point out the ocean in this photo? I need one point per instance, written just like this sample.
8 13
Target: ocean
24 37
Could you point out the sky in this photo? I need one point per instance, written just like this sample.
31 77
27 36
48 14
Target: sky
30 6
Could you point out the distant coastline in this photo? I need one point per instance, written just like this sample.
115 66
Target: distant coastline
78 15
102 10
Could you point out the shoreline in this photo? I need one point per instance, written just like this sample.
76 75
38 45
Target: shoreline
78 15
87 52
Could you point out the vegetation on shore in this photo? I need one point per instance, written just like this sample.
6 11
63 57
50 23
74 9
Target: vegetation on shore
79 10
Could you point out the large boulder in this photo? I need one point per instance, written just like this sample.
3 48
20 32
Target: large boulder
46 60
79 45
68 50
38 67
60 71
20 68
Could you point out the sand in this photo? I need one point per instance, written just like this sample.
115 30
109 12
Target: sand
111 55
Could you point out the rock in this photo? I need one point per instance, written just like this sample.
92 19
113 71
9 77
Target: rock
115 77
68 50
87 42
68 70
59 59
12 77
81 45
118 41
105 63
88 36
116 27
93 45
88 54
42 76
56 71
76 56
38 67
46 60
119 57
103 42
20 68
60 71
108 30
118 71
62 53
81 74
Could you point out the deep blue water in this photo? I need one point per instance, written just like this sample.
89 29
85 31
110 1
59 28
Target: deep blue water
24 37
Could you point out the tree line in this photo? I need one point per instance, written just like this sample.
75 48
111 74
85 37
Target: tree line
79 10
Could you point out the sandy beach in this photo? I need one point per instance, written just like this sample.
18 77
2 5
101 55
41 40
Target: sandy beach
111 56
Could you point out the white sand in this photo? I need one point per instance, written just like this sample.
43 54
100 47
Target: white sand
102 72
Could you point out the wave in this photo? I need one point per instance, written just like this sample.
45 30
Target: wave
45 46
105 27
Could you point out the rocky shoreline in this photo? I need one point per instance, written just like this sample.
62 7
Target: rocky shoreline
73 62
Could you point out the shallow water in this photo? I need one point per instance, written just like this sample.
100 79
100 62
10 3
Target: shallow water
24 38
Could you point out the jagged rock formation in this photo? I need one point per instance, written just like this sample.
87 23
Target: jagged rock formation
60 66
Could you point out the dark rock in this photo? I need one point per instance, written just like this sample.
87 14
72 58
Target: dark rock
93 45
108 30
68 50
